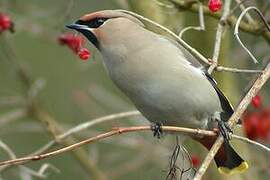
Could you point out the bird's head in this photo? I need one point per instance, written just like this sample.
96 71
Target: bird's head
102 25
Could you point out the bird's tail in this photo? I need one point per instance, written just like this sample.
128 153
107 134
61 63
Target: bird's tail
227 160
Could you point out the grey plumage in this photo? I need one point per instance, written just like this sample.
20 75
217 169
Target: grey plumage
163 85
164 81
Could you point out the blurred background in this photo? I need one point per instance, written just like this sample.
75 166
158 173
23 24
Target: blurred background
45 89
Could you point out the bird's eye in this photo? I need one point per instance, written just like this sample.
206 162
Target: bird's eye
100 21
94 23
97 22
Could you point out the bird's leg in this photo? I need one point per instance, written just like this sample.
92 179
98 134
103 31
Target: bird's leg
224 129
223 126
157 129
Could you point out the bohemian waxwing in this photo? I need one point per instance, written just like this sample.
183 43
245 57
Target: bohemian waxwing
164 81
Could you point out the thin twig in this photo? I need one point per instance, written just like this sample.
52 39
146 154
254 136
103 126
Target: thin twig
9 152
236 70
7 149
242 7
236 29
219 34
12 116
201 20
86 125
40 173
35 88
261 80
55 129
249 141
249 28
237 6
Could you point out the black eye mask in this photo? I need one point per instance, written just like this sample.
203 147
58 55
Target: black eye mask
94 23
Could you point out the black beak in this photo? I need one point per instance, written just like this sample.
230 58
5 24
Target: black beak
77 26
86 31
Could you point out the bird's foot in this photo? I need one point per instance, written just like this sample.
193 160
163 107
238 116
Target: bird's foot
225 130
157 129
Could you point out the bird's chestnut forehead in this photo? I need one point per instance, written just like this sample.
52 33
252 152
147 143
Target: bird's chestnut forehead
89 17
109 14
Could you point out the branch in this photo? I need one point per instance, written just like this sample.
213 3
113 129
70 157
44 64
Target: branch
261 80
249 28
249 141
242 7
236 70
97 121
55 129
23 169
12 116
236 31
41 173
119 131
84 126
189 48
115 131
201 20
37 112
7 149
219 34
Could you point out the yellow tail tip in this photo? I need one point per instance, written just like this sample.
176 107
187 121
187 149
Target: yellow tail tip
239 169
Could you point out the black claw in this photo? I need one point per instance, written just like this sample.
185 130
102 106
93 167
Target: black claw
225 130
157 129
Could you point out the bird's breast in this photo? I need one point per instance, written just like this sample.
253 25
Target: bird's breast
161 83
163 95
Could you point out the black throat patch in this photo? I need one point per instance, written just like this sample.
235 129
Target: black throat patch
90 36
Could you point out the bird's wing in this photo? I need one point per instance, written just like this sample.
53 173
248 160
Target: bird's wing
225 103
194 62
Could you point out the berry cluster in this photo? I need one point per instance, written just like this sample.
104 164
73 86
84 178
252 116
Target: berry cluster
257 121
75 43
5 23
214 5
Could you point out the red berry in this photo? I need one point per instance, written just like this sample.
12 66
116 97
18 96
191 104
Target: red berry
72 41
5 22
75 43
84 53
256 101
257 124
195 160
251 124
65 38
264 124
214 5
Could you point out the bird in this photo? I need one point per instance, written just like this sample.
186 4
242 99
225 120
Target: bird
163 80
